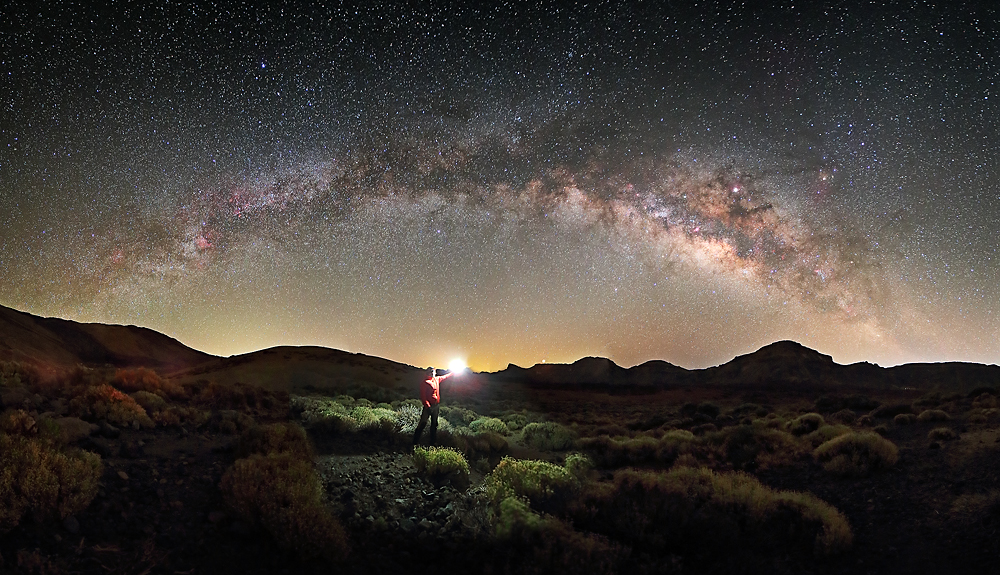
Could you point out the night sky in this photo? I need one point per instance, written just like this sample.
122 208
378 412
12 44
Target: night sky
652 180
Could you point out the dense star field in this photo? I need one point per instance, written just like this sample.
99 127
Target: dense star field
672 180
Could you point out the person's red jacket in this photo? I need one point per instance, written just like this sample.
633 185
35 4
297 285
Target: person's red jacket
430 391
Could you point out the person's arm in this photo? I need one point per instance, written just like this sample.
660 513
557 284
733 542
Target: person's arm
445 376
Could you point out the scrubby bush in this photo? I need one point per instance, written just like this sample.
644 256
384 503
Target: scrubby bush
538 543
441 464
857 454
904 419
515 421
826 433
243 397
275 438
282 493
942 434
408 417
547 436
489 424
756 446
546 486
844 416
610 452
143 379
36 477
889 411
107 403
933 415
578 464
375 419
458 416
149 401
708 408
804 424
484 444
697 510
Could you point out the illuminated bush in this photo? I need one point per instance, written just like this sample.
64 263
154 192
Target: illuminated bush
857 454
275 438
105 402
515 421
35 477
695 510
578 464
408 417
545 485
489 424
441 464
375 419
547 436
142 379
458 416
282 493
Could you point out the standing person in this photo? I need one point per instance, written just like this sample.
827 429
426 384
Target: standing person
430 396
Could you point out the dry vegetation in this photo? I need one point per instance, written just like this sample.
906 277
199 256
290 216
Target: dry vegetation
586 483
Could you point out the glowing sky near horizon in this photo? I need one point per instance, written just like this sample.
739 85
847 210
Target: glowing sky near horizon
511 184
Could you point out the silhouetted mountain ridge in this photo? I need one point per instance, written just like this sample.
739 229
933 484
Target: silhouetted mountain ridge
57 342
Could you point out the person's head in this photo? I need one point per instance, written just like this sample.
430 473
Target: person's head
431 372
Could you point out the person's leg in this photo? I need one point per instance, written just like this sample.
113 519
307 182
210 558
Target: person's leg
420 426
434 422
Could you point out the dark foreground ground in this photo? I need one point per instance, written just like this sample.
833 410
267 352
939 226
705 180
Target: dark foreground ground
159 508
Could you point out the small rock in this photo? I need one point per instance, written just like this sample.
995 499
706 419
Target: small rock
71 524
123 475
406 525
425 524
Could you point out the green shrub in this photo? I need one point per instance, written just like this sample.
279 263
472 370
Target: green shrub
610 452
489 424
441 464
35 477
578 464
149 401
515 421
933 415
458 416
282 493
857 454
826 433
275 438
904 419
757 446
942 434
408 417
697 510
547 436
544 485
534 543
375 419
107 403
804 424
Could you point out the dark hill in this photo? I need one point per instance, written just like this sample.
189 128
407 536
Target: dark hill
55 342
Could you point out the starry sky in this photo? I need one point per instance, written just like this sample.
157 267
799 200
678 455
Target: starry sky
509 183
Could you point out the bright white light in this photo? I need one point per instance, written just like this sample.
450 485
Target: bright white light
456 365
